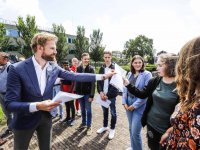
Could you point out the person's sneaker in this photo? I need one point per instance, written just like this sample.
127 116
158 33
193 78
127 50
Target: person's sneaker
7 132
81 126
66 120
78 113
61 118
130 148
89 131
72 122
111 134
54 117
101 130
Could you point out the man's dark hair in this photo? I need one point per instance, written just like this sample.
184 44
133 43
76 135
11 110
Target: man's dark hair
65 62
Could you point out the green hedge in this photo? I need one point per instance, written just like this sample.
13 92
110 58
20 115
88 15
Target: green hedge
148 67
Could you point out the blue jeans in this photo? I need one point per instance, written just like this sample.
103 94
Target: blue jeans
135 126
86 110
113 114
56 89
8 114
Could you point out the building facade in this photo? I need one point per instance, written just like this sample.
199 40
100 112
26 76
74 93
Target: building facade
11 30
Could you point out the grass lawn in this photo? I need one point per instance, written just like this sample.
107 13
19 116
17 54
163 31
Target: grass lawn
2 117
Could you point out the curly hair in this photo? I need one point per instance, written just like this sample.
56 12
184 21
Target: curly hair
41 39
169 59
134 58
188 73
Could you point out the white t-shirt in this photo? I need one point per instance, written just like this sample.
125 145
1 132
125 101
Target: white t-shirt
106 82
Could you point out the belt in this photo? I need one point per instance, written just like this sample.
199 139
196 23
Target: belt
3 93
56 84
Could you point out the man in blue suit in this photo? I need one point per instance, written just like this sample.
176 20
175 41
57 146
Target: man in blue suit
29 92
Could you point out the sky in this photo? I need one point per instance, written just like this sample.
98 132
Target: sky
170 23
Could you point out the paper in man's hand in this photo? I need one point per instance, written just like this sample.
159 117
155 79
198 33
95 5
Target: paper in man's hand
116 79
65 97
103 103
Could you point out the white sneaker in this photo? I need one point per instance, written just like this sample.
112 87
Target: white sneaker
111 134
101 130
78 113
130 148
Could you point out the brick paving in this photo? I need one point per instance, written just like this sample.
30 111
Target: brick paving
65 137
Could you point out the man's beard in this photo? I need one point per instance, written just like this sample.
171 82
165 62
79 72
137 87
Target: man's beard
48 57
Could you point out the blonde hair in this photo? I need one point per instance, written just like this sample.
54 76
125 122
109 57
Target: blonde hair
107 52
41 39
84 54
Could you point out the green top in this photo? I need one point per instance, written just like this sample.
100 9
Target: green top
83 70
164 102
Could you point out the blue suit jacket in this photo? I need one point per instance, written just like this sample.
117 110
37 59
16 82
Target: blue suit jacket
142 80
23 89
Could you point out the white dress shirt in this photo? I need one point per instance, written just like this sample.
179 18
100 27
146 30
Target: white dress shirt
41 76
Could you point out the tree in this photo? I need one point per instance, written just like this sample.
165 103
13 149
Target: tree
141 45
129 59
81 44
114 58
61 47
26 30
121 59
96 48
4 40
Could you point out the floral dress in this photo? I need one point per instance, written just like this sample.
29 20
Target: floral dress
186 129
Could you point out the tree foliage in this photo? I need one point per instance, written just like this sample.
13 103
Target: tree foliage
81 44
121 59
26 30
61 47
141 45
114 58
96 48
4 40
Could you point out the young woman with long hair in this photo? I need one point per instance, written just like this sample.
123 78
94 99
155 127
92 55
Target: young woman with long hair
185 130
134 106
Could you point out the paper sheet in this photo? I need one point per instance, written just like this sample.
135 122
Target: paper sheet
103 103
116 79
65 97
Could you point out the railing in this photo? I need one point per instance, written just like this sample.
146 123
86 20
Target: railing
4 21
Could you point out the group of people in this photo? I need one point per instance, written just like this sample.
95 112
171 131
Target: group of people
167 104
172 112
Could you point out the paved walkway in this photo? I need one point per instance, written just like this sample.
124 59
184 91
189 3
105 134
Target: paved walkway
66 137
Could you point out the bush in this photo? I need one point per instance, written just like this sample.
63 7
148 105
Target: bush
97 70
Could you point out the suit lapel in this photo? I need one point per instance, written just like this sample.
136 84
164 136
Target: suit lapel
32 74
138 79
49 77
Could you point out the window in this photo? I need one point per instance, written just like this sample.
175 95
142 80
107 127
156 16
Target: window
11 32
69 40
71 51
12 47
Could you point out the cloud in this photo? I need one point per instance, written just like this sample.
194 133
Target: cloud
168 31
195 5
11 9
69 28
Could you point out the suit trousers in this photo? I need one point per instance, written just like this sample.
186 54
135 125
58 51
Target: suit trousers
44 133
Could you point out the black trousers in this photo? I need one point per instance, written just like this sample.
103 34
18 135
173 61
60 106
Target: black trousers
70 105
154 139
44 132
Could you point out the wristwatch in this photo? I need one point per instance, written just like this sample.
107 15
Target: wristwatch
103 76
